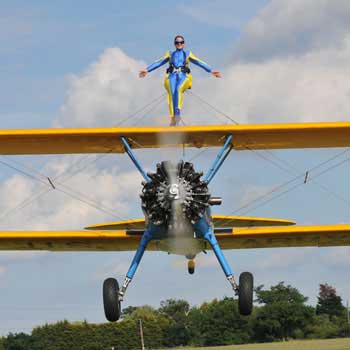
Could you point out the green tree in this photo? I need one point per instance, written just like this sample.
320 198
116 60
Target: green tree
329 302
284 314
19 341
322 327
129 310
176 311
154 325
82 335
219 323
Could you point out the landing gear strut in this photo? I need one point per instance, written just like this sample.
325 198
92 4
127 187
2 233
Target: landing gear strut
245 288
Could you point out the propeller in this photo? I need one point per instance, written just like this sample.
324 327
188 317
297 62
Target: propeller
176 192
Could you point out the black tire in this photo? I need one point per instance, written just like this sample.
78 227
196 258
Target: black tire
111 301
191 266
191 270
245 293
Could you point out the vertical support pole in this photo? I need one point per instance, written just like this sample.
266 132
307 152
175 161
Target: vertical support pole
141 335
219 165
132 156
218 161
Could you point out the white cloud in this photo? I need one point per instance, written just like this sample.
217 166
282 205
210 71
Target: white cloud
305 88
103 95
109 189
313 87
294 59
294 28
310 87
107 92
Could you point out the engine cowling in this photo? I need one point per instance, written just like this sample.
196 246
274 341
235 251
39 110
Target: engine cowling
174 188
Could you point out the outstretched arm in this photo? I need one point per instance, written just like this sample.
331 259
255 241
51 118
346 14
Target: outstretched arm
194 59
164 59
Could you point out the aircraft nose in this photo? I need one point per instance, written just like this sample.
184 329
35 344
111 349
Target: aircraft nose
174 191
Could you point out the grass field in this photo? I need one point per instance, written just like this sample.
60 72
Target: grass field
326 344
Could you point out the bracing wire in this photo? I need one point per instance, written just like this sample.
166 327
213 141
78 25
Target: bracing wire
30 199
300 184
66 190
134 114
279 165
152 108
301 176
44 179
213 107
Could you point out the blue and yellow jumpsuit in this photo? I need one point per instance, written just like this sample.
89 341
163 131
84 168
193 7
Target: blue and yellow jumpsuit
178 77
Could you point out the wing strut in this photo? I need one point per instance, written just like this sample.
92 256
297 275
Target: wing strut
219 160
132 156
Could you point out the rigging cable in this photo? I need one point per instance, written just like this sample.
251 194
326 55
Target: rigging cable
32 198
156 104
270 153
66 190
301 176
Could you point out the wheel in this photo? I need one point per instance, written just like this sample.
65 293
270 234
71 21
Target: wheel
191 267
245 293
111 301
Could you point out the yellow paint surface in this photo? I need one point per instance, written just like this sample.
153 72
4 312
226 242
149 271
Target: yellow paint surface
104 140
266 237
219 221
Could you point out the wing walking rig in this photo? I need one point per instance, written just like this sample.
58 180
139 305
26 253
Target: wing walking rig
175 198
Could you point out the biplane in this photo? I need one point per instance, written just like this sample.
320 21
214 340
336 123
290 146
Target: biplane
175 198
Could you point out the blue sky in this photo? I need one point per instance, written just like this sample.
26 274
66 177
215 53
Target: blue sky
65 65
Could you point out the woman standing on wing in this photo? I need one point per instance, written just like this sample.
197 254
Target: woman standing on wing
178 76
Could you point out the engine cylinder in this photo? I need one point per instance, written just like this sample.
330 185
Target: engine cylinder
174 186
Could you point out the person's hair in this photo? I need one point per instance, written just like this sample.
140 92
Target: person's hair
179 36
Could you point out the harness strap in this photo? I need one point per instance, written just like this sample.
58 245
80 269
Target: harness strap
172 68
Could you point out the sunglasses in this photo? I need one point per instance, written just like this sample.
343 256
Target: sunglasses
179 42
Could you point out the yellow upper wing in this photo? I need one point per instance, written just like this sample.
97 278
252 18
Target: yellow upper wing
296 236
104 140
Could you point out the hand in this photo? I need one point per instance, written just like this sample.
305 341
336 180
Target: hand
216 74
143 73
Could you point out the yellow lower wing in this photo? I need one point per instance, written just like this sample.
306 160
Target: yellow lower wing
266 237
219 221
295 236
